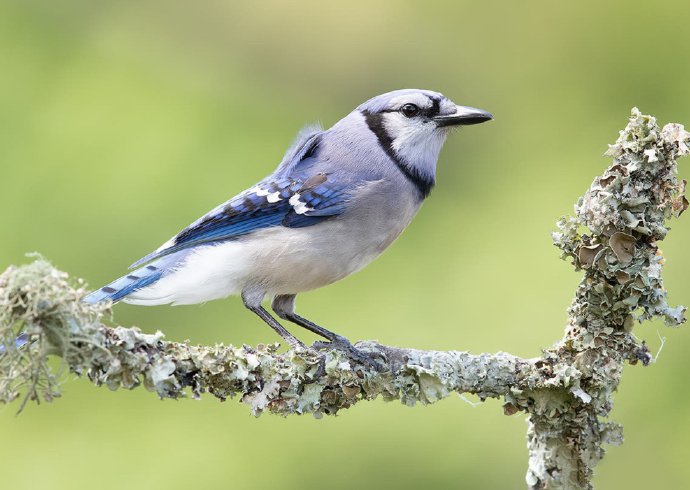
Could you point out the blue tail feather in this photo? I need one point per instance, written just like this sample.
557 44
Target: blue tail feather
138 279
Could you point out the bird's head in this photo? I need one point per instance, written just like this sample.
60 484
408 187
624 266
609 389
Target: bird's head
412 125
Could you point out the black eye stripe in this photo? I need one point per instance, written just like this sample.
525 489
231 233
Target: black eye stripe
435 108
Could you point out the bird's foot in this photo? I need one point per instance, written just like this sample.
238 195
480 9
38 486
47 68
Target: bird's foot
342 344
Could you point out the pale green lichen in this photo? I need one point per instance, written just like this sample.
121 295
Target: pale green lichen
613 238
294 382
567 392
29 294
41 301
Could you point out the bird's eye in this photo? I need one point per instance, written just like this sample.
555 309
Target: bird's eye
409 110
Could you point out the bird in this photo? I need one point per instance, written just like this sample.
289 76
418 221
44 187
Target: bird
337 200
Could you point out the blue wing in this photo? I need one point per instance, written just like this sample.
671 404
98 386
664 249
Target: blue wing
288 198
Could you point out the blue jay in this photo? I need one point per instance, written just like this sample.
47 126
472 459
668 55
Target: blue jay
338 199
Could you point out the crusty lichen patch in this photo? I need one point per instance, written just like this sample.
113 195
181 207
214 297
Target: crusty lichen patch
41 302
613 237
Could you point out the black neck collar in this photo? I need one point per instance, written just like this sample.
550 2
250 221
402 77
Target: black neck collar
422 183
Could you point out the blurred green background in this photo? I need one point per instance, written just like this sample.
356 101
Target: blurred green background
121 122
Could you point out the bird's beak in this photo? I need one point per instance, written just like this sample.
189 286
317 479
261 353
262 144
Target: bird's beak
463 116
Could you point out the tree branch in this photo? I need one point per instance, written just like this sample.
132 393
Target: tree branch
567 392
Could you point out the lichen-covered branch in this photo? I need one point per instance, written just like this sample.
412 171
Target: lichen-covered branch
567 392
613 239
40 300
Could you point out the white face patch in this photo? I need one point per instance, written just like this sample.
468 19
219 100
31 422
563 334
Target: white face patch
415 140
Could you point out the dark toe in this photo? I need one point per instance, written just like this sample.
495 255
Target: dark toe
345 346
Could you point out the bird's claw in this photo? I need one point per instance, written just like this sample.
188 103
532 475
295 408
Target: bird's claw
345 346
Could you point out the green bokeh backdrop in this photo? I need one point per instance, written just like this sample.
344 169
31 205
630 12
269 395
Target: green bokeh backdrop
121 122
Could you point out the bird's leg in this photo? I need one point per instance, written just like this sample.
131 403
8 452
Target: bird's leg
252 300
284 307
